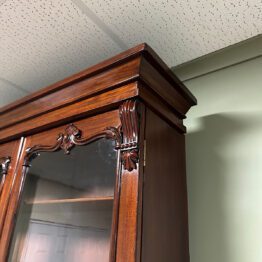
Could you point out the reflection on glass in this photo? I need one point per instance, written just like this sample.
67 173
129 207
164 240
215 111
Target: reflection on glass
67 206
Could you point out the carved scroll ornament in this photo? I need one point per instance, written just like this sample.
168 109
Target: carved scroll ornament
129 146
67 140
4 164
130 159
125 137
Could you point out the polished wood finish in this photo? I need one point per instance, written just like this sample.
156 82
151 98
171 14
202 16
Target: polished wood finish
159 106
135 100
76 92
129 209
78 110
165 226
69 200
71 137
140 50
108 78
90 127
127 227
11 151
129 120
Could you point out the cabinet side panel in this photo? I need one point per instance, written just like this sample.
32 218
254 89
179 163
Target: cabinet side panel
165 219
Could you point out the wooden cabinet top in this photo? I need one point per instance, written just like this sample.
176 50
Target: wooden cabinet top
137 72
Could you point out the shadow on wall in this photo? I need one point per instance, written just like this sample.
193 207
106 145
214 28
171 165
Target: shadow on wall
208 168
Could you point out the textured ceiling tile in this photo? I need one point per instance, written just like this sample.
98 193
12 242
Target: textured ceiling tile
45 41
181 30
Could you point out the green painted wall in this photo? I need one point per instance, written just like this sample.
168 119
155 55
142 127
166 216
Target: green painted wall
224 162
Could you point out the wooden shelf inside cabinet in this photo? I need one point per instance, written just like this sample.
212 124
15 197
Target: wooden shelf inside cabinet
69 200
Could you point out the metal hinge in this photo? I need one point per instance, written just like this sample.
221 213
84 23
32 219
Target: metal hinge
144 152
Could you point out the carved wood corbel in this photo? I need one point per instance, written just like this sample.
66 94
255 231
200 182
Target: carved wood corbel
129 122
4 164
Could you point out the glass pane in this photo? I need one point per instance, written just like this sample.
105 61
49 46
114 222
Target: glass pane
67 206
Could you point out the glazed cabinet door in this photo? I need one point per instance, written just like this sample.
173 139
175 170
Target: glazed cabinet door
66 199
9 155
68 181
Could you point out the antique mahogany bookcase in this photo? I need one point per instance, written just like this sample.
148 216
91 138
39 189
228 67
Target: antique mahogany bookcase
93 167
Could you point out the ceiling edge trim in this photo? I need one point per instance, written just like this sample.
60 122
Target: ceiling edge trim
236 54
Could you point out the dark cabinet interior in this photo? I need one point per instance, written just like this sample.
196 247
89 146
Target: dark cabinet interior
66 207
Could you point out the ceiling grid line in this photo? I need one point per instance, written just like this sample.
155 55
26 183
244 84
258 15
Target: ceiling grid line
43 42
11 84
100 23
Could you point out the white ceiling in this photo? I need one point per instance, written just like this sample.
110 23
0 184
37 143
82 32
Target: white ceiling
43 41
